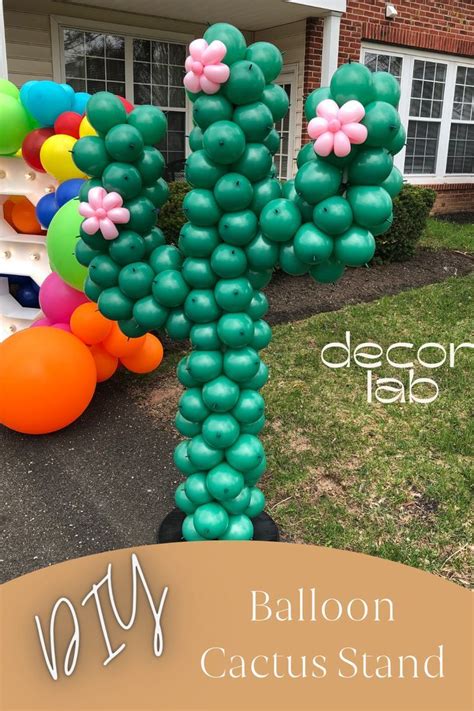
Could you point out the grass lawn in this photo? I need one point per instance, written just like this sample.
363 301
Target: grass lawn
440 234
387 480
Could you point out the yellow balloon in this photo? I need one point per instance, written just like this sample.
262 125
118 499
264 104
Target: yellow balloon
85 129
56 157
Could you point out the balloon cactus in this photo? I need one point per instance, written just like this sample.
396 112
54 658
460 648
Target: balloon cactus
242 223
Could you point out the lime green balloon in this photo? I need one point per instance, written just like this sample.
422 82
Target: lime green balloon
263 192
113 304
151 165
398 142
280 219
393 183
289 262
255 162
305 154
327 272
355 247
255 120
7 88
220 431
104 111
239 503
201 306
272 141
192 407
104 271
195 139
250 406
204 337
178 325
382 122
262 335
241 364
169 288
262 253
202 455
181 500
233 294
196 489
149 314
228 261
90 155
246 453
370 205
224 141
352 81
268 57
235 330
205 365
370 167
197 241
14 124
61 242
387 88
257 503
122 178
142 214
198 273
315 181
231 37
238 228
128 247
182 460
151 123
233 192
276 98
201 171
315 98
211 520
208 109
136 279
333 215
201 208
312 246
166 256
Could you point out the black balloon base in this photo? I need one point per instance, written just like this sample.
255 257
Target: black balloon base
265 528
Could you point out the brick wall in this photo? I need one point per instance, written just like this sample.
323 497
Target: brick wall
456 197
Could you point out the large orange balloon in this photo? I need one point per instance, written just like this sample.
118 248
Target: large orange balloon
47 379
24 219
146 358
105 363
88 324
120 345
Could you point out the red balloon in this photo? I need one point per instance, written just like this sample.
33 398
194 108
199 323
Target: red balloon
68 123
128 106
31 147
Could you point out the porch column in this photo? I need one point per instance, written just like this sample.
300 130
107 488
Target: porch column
3 46
330 53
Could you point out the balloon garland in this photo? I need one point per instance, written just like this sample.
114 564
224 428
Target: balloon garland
241 225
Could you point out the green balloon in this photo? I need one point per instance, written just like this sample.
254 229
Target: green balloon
233 294
228 261
142 215
158 193
238 228
204 366
178 326
315 98
393 183
189 532
61 242
221 394
383 227
289 262
250 406
167 256
352 81
224 141
131 328
148 314
254 163
115 305
84 253
211 521
196 488
370 167
14 124
128 247
280 219
258 380
233 192
259 279
182 460
136 279
262 335
197 241
288 190
201 306
155 238
220 431
195 139
370 205
305 208
245 83
327 272
312 246
122 178
231 37
124 143
208 109
192 407
104 271
340 162
257 503
276 98
169 288
382 122
90 155
263 192
262 253
241 364
235 330
88 185
202 455
268 57
151 165
91 290
246 453
253 427
201 171
201 208
305 154
272 141
7 88
333 215
198 273
316 181
240 528
355 247
239 503
223 481
182 502
204 337
253 475
387 88
184 376
398 141
104 111
255 120
151 123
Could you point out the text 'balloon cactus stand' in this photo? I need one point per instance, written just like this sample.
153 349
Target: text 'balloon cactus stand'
242 223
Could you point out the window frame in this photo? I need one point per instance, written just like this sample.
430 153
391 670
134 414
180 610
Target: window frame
452 62
289 75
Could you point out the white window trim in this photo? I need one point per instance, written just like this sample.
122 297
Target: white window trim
440 177
289 75
59 22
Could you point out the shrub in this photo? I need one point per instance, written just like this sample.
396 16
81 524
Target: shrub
171 217
410 211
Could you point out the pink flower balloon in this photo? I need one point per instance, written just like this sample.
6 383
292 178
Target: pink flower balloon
335 129
204 67
103 211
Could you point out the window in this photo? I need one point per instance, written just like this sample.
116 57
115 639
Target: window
436 107
284 159
145 71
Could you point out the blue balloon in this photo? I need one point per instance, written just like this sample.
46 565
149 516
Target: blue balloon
46 209
24 91
45 100
69 90
28 297
17 279
68 190
80 102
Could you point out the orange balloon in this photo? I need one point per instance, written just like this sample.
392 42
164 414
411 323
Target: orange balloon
24 219
120 345
8 206
88 324
147 358
105 363
47 379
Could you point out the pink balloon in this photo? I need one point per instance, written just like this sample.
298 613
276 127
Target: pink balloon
217 73
197 48
209 87
324 144
41 322
192 82
342 145
351 112
58 300
317 126
356 132
214 53
327 109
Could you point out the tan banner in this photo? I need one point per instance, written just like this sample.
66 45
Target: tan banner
226 625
